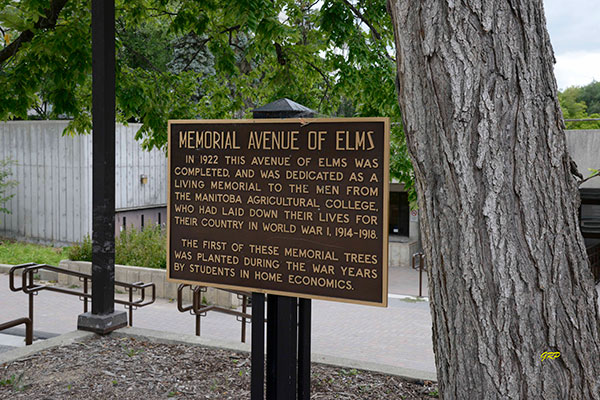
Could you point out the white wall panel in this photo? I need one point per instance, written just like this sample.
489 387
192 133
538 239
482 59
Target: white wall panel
53 199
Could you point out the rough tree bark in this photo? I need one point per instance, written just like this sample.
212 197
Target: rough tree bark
509 275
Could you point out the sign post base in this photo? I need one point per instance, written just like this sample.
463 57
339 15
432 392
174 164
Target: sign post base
102 324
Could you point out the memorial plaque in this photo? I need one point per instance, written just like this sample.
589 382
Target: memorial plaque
295 207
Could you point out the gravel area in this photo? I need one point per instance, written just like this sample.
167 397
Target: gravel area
127 368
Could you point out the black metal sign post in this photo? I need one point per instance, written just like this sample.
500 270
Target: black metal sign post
304 325
103 318
288 328
257 378
282 344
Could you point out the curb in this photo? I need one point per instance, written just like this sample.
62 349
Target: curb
5 268
413 375
62 340
175 338
408 297
179 338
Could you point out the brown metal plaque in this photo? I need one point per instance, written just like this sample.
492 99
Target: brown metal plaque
294 207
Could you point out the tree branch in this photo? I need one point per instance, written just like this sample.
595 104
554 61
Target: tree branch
364 19
47 22
594 175
280 56
134 51
360 15
325 79
320 72
203 43
311 5
200 45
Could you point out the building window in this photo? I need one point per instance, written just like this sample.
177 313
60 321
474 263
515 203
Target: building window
589 213
590 220
399 214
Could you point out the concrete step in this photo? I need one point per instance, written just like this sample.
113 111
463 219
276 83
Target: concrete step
8 342
15 337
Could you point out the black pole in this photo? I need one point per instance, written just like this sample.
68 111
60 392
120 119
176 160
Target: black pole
304 326
258 347
282 345
103 319
103 167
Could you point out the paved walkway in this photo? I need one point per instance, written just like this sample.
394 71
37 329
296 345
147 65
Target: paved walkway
399 335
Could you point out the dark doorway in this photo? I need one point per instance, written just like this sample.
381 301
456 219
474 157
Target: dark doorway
589 217
399 214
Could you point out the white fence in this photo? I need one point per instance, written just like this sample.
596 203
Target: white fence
53 198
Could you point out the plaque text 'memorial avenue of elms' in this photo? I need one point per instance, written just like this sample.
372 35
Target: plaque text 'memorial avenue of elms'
293 207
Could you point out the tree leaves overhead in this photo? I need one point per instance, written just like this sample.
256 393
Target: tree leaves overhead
204 59
52 62
590 94
581 103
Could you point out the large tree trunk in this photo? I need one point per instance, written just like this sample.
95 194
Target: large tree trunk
509 277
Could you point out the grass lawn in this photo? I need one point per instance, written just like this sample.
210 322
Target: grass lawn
13 253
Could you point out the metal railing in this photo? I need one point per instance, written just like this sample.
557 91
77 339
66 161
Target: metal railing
28 327
199 310
420 265
30 287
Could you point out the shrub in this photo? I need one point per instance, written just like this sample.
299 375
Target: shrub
81 251
5 184
145 248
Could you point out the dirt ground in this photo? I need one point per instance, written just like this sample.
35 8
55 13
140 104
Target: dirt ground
125 368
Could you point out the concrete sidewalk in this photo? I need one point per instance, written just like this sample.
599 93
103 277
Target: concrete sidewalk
398 336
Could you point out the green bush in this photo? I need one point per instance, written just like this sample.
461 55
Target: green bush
5 184
145 248
81 251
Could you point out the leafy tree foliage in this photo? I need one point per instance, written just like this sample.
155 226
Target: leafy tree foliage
590 95
203 59
574 106
575 103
